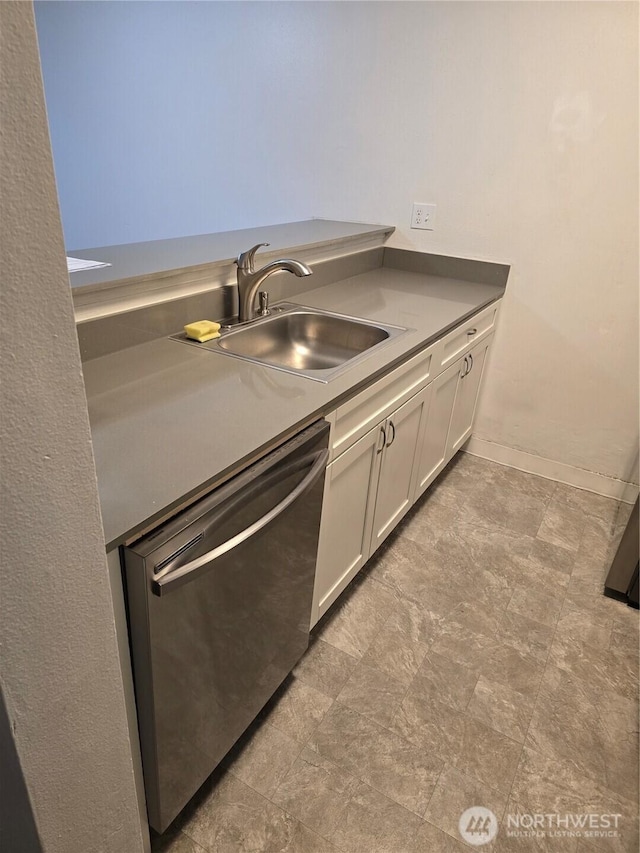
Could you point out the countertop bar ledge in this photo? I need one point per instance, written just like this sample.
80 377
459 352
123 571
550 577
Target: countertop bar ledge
142 274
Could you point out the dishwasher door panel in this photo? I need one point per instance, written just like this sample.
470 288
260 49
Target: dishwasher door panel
210 651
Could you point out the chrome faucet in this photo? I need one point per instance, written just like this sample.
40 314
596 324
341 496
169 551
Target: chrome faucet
249 280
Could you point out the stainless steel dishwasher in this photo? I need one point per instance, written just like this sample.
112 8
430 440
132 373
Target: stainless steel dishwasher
219 605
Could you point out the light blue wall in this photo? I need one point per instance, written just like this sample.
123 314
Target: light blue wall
514 118
176 118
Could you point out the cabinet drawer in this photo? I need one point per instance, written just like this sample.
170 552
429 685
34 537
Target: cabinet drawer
467 334
357 416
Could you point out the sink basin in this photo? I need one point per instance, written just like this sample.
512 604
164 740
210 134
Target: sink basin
306 341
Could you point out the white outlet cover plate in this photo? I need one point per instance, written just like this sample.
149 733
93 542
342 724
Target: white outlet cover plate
423 216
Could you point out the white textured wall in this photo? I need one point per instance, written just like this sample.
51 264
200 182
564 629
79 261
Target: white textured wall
519 119
58 657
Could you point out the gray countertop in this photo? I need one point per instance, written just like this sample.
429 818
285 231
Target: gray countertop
169 420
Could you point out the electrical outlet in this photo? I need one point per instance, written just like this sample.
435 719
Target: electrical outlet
423 216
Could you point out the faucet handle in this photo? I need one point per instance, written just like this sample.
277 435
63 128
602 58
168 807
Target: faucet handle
245 259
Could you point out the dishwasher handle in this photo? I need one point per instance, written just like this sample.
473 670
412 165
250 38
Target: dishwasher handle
168 580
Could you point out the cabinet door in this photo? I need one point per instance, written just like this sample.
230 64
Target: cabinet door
370 407
467 396
347 514
432 443
396 483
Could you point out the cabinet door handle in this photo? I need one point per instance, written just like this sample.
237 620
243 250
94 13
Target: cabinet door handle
470 363
393 437
471 332
383 433
465 369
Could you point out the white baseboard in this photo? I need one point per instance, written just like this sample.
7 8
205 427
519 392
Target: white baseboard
558 471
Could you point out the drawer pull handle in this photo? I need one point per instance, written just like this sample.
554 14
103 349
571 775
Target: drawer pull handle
393 437
383 433
471 332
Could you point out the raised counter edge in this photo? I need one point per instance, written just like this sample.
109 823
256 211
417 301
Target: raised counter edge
446 266
157 271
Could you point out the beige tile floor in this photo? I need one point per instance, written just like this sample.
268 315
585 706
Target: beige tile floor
474 661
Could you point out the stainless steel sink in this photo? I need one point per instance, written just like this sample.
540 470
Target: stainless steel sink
305 341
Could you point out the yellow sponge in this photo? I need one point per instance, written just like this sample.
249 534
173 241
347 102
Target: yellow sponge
202 330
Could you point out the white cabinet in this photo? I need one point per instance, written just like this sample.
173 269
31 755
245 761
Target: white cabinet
396 481
389 442
432 456
454 395
370 407
457 342
368 489
464 408
347 514
370 481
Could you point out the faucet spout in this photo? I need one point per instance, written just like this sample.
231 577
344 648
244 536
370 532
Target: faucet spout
249 280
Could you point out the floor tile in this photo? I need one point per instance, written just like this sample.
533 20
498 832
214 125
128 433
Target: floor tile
457 792
352 624
372 693
483 552
403 641
545 785
432 516
583 597
594 730
625 618
263 759
501 708
302 840
549 556
480 617
540 606
603 667
596 551
236 819
174 842
316 792
562 524
535 576
459 739
504 476
625 641
464 471
442 679
325 667
530 638
372 822
464 646
389 763
578 626
598 506
412 572
510 505
430 839
297 709
509 667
